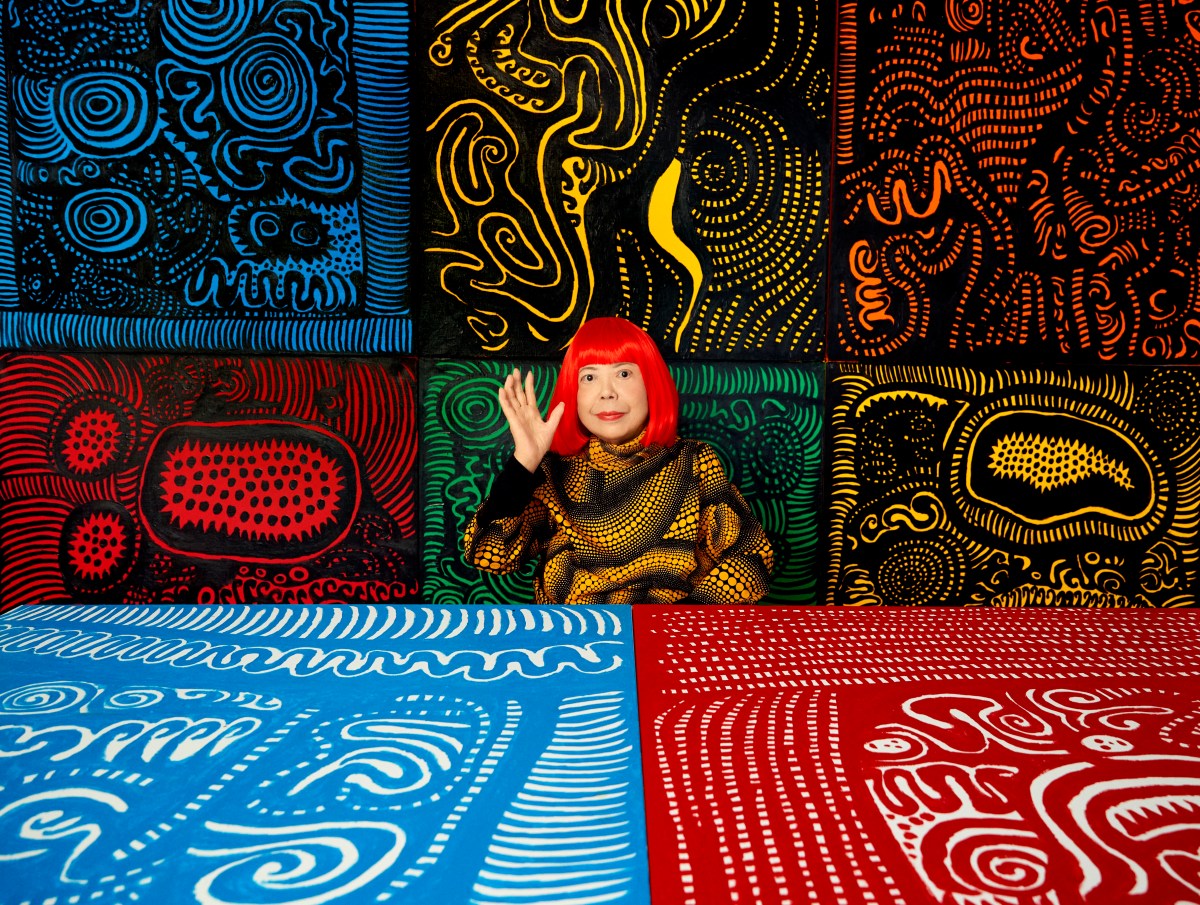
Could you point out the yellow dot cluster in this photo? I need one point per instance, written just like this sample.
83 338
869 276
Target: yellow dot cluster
1049 463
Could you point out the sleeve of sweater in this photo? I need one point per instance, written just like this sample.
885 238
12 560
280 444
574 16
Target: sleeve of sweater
735 555
509 526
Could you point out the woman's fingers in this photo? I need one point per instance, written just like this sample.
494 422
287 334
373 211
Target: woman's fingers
518 401
530 392
556 415
531 435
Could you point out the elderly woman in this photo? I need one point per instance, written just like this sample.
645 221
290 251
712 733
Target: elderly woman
614 505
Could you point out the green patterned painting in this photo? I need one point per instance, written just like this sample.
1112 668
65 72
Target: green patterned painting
764 421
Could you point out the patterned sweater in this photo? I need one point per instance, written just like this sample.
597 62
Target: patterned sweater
624 524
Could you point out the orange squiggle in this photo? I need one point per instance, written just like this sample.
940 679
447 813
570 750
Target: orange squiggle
903 203
870 294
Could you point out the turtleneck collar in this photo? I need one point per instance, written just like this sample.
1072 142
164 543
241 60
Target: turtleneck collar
615 456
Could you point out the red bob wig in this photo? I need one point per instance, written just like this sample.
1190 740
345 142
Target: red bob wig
605 341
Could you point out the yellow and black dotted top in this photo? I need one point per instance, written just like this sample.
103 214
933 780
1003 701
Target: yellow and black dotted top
625 524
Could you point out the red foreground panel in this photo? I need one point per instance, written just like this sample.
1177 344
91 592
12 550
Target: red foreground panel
975 757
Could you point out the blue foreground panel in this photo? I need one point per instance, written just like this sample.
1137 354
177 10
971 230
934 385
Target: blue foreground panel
315 754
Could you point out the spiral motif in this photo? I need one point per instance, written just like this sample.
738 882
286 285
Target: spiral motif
46 697
270 88
1171 402
776 452
104 113
472 149
134 698
922 571
733 158
204 29
312 863
721 171
1144 122
987 859
107 221
964 15
469 409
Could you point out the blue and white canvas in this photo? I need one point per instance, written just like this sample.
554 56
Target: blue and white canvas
316 754
188 175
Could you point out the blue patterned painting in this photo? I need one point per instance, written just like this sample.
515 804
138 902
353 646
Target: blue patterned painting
200 176
314 754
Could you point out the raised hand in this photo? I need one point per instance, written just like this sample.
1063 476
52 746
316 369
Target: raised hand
531 433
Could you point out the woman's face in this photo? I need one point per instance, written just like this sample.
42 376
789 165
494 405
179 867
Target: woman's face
612 401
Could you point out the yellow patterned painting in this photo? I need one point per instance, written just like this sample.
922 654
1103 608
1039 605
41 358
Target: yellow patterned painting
665 162
1014 487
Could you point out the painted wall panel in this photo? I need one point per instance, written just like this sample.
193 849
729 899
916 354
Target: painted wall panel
1016 179
1013 487
665 162
764 421
188 177
156 479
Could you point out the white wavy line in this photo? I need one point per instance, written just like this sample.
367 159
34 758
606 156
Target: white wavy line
472 665
554 823
264 621
573 900
560 806
606 862
559 890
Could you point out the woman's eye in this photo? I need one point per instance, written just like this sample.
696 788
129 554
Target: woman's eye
585 378
623 373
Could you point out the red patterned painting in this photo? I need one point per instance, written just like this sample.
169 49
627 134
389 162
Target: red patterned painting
206 480
989 757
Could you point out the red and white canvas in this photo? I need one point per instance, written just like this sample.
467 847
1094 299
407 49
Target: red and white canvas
973 757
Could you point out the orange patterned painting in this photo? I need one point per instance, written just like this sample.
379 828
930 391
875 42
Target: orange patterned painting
1017 177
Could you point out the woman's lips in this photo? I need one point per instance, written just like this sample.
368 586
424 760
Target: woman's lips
610 416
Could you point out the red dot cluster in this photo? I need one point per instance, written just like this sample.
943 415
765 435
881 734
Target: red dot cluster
90 441
97 546
274 489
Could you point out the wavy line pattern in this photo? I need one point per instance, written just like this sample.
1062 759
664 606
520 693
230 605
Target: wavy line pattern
569 835
342 623
29 330
381 32
472 665
9 297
